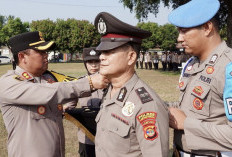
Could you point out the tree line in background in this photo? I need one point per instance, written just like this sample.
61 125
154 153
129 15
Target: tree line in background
143 7
72 35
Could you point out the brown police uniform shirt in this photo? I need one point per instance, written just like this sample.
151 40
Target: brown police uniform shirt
133 123
32 114
206 129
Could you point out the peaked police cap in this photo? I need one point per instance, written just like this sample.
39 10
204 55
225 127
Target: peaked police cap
116 33
29 40
90 54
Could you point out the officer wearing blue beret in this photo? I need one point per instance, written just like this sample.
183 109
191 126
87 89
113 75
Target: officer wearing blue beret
203 122
133 120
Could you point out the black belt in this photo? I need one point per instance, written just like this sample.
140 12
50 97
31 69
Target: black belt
176 153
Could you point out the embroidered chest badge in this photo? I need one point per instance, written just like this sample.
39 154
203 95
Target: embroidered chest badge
41 110
60 107
128 109
210 70
198 90
148 120
198 104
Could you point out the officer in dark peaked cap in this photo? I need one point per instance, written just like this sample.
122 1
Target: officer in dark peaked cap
89 106
133 120
30 100
203 122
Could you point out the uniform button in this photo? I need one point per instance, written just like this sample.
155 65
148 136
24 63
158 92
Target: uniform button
101 107
115 129
102 129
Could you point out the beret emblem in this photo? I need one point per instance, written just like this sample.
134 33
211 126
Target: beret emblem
92 53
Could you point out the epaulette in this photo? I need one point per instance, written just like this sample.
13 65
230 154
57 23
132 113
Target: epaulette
144 96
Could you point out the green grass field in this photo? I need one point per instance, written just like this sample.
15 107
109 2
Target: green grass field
164 83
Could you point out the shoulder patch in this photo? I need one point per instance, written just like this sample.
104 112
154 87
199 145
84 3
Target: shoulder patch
143 95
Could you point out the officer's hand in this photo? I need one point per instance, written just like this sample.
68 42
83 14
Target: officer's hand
99 81
176 118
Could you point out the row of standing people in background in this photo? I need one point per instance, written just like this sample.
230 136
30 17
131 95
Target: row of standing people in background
170 60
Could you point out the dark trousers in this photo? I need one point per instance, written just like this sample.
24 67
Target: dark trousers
155 66
146 65
164 64
141 64
86 150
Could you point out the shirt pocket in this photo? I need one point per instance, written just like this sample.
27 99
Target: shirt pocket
118 134
200 98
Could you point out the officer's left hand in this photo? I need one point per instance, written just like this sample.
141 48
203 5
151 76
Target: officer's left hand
176 118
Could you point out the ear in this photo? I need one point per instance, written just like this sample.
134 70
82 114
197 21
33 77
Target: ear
21 57
208 28
132 55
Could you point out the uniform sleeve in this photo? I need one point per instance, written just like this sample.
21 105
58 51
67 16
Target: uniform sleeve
26 93
152 129
212 136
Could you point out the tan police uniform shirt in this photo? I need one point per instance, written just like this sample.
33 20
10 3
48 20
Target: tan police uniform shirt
32 114
206 129
94 101
133 123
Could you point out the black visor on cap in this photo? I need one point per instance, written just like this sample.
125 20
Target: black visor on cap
105 46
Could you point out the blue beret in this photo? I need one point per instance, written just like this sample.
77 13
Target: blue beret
194 13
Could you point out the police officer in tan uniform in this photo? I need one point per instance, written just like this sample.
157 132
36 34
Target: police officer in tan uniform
30 101
202 124
133 120
91 103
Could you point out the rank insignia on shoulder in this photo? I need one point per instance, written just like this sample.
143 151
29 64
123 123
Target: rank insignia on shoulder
19 78
210 70
128 109
122 94
143 95
213 59
148 120
26 75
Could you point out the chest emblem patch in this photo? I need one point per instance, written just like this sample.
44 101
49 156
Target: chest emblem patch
198 104
198 90
209 70
41 110
128 109
60 107
148 120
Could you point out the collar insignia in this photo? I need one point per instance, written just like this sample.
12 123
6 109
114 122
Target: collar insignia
122 94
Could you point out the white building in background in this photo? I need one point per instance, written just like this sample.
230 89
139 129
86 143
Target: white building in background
5 51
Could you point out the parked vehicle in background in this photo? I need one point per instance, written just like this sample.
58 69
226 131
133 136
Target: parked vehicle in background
5 59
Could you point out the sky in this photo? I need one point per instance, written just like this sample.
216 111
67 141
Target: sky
29 10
